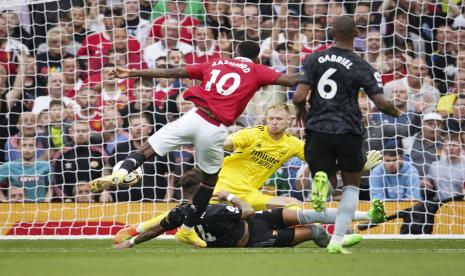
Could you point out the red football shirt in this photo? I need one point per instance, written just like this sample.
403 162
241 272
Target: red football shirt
227 85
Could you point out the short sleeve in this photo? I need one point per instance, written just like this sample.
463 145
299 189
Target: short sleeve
195 71
371 82
243 138
266 75
222 212
308 68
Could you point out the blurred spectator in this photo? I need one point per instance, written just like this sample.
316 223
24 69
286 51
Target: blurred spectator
236 17
456 122
17 30
216 16
89 101
169 40
312 39
111 92
362 21
82 193
57 130
28 173
113 132
447 175
66 25
175 58
397 127
78 18
252 29
205 47
154 184
55 91
194 8
392 65
26 88
183 105
15 194
174 11
144 103
96 46
443 58
165 94
80 162
446 103
315 11
26 128
10 48
374 44
422 96
50 55
395 178
145 9
71 76
425 147
135 25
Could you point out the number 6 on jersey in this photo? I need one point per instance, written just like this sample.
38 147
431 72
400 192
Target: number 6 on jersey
326 81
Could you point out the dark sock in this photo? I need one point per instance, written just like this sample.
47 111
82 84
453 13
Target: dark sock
133 161
199 205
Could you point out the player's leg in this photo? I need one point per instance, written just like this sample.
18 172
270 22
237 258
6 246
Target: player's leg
167 139
284 202
208 144
259 201
351 160
321 159
132 231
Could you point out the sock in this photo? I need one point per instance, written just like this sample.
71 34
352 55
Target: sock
319 235
134 160
327 216
199 205
144 226
345 213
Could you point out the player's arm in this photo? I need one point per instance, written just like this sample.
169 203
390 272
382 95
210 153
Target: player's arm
150 234
177 73
288 79
247 210
228 144
385 106
300 100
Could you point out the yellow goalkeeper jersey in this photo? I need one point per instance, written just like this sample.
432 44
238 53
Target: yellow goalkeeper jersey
255 158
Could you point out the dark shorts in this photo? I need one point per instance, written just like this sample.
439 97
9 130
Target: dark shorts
267 229
333 152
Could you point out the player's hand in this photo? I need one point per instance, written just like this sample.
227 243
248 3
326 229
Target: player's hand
373 160
124 244
220 196
121 72
300 117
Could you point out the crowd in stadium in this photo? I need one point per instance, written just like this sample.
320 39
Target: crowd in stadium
64 121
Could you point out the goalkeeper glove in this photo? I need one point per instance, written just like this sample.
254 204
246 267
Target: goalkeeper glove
373 160
119 176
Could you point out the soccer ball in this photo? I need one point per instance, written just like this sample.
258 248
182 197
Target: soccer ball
133 178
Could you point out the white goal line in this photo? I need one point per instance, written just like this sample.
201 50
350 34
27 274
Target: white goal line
171 237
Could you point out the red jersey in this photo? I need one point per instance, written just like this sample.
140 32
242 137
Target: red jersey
187 25
307 51
228 85
96 47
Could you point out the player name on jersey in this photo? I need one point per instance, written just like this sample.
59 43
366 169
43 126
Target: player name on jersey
334 58
245 68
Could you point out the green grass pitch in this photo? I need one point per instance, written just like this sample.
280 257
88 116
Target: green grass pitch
159 257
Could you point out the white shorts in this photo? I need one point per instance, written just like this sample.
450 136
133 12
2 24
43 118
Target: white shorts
192 129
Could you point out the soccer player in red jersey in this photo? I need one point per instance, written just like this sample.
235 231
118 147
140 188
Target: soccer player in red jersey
227 86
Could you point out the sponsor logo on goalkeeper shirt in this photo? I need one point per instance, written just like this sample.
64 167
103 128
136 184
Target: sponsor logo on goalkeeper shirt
263 159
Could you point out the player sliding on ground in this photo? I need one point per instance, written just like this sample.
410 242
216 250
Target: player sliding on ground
257 153
223 225
227 86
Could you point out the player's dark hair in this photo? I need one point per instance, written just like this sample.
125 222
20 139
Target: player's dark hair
344 28
190 182
248 49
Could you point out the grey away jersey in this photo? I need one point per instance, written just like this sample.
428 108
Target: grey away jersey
336 76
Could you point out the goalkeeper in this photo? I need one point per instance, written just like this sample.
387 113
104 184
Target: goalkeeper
240 226
257 153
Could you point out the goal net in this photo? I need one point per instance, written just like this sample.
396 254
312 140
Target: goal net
65 120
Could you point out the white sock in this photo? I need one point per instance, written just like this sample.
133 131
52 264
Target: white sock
345 213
